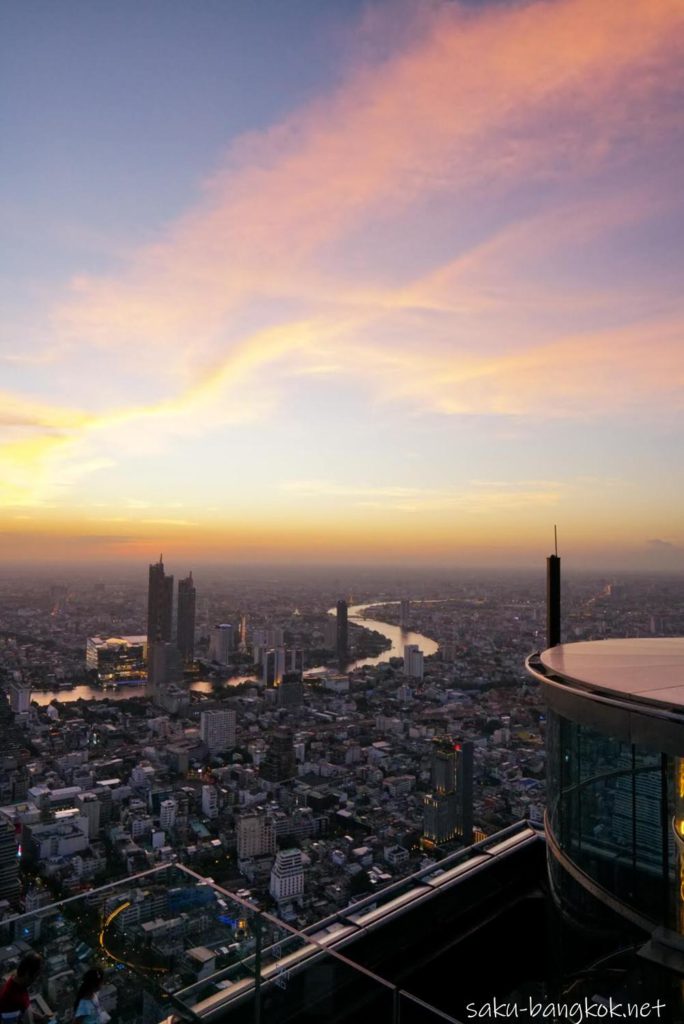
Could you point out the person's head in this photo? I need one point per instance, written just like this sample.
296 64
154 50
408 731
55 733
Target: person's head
29 968
92 981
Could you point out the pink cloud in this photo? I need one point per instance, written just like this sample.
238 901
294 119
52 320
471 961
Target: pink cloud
473 105
478 100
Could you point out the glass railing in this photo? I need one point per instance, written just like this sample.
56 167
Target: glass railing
173 945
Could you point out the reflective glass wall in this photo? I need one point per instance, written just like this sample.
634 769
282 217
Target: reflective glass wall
611 808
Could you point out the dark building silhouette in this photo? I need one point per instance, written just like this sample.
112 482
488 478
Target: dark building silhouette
291 690
448 809
342 633
553 600
443 769
464 791
164 667
273 667
185 631
279 763
9 864
159 604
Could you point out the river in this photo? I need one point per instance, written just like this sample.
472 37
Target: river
398 638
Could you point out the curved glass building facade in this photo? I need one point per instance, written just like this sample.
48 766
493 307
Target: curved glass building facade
615 775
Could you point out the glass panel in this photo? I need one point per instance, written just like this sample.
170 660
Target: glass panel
610 814
171 943
322 987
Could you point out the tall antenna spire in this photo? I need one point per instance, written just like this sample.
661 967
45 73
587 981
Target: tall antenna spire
553 595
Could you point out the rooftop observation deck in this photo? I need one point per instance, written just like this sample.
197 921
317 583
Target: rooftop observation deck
649 670
632 690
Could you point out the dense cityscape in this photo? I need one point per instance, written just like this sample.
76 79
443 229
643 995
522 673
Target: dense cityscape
299 748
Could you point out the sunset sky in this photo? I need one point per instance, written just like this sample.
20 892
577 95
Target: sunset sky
338 281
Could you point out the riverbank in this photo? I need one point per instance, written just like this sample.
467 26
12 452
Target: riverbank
395 641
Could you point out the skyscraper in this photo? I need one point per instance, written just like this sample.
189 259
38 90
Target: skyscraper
185 632
404 612
159 604
439 817
413 661
221 643
342 633
448 809
273 666
464 791
443 769
164 668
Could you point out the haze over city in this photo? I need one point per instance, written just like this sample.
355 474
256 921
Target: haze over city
342 283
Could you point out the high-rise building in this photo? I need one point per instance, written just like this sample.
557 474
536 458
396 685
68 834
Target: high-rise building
221 643
439 817
404 613
287 876
273 666
185 622
291 690
217 729
413 661
255 835
279 763
464 791
19 696
164 667
159 604
342 633
448 809
167 814
210 807
9 864
443 768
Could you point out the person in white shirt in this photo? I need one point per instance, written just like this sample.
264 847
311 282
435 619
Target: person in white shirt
87 1007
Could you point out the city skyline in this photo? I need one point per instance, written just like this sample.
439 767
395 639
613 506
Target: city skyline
320 284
